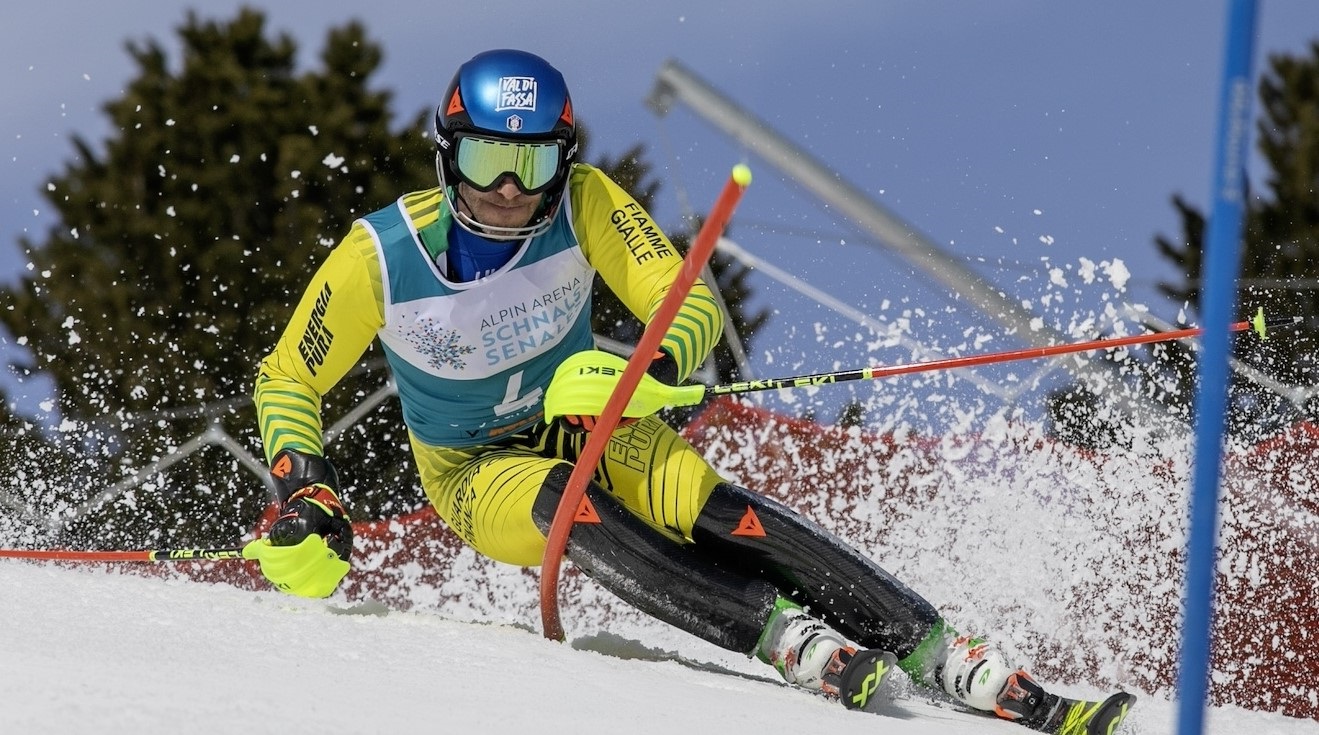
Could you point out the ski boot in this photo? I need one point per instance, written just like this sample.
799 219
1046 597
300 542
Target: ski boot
808 653
977 675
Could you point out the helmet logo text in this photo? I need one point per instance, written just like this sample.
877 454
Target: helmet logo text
516 93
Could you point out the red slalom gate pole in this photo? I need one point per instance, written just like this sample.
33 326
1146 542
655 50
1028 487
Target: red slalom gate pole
156 555
556 541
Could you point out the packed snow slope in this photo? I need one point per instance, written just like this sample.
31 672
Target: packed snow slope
95 650
1070 559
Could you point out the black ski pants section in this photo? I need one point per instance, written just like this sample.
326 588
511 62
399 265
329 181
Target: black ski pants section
666 579
814 568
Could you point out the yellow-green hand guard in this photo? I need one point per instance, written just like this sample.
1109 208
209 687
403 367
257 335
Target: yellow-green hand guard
584 382
308 569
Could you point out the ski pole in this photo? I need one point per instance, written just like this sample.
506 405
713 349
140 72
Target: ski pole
556 541
1256 324
144 555
650 395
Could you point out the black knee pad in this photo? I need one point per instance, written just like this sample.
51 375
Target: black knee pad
741 529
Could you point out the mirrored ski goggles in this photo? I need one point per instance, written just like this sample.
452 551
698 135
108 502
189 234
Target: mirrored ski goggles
483 162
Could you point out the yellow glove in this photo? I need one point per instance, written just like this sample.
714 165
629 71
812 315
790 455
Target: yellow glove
308 569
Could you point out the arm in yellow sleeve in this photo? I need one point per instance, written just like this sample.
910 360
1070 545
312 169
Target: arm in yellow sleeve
639 265
339 314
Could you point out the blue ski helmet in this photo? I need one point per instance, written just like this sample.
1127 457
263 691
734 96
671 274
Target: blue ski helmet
506 113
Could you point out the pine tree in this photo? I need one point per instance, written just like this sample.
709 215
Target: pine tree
181 246
1277 273
183 242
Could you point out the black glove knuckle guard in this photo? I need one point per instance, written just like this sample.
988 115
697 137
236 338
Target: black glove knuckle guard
307 487
664 368
292 470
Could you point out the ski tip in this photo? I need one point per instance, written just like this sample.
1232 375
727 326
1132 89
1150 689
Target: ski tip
1110 714
863 681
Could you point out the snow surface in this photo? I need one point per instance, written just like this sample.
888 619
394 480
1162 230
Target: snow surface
1069 560
89 650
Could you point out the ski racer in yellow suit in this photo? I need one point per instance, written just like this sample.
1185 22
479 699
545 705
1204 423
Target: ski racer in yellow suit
478 290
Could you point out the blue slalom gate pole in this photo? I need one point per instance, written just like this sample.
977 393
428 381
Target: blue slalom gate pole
1218 298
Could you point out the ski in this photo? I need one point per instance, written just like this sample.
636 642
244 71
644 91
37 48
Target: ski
1085 717
861 685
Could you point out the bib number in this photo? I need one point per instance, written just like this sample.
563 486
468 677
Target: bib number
512 402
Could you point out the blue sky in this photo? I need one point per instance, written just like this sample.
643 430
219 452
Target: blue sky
1019 135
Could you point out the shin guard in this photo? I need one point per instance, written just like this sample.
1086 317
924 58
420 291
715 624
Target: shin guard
743 530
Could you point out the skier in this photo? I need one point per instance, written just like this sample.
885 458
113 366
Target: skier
479 291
